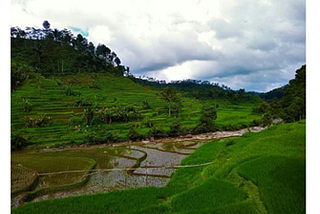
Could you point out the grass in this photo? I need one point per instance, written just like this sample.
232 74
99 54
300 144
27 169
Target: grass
258 173
281 182
47 96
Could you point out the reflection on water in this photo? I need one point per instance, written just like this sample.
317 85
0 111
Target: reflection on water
143 157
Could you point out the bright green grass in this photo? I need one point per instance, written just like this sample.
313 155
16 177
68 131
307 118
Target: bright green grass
258 173
51 99
281 182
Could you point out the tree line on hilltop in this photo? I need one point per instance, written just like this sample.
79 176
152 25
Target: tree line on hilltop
288 102
49 50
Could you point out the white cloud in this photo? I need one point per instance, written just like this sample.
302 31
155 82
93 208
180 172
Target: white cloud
238 42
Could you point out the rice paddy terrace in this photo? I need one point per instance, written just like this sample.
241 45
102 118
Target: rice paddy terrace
257 173
56 98
56 173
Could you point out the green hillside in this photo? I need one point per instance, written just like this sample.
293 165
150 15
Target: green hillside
257 173
67 91
49 97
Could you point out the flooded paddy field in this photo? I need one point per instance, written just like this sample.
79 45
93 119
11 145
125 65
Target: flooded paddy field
56 173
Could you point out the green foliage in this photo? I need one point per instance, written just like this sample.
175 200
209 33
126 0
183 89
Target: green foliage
133 134
176 108
119 114
263 108
67 112
281 180
94 139
27 107
146 104
258 173
19 73
88 116
18 142
38 121
207 124
156 132
256 123
94 84
79 101
59 51
69 91
212 193
292 105
175 128
267 119
274 94
148 123
171 96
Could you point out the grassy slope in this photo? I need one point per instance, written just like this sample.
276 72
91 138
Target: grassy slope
51 99
258 173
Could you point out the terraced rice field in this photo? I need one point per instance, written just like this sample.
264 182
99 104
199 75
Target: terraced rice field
56 173
48 97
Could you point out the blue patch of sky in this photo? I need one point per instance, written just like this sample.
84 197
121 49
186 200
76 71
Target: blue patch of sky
76 31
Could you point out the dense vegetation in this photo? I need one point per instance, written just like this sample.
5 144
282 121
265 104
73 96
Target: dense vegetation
291 106
199 89
51 51
67 91
58 110
275 93
258 173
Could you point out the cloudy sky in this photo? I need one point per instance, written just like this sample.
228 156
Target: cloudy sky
251 44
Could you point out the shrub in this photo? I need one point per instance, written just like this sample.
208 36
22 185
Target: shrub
88 116
119 114
133 134
176 108
156 132
19 73
18 142
171 96
94 84
110 138
38 121
146 105
69 91
148 123
256 123
93 139
79 102
206 124
266 119
261 109
27 107
175 128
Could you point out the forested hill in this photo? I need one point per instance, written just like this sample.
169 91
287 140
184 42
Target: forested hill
49 50
53 51
275 93
201 89
288 102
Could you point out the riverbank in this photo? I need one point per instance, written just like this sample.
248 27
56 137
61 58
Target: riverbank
156 155
237 181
